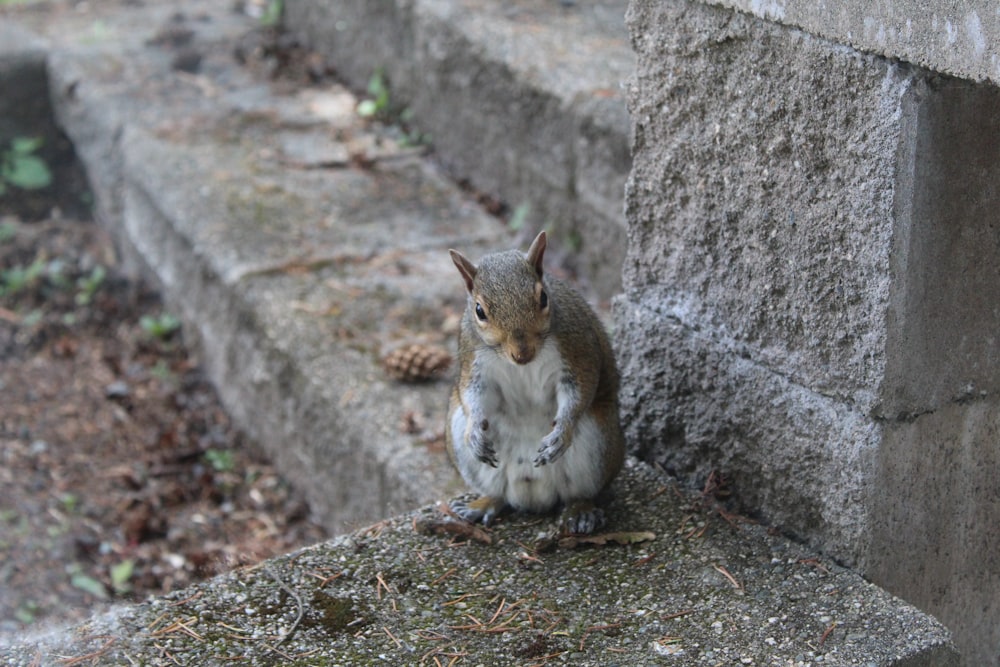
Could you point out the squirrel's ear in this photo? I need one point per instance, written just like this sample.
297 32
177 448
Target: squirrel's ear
536 252
465 267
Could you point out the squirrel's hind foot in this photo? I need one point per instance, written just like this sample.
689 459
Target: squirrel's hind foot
582 517
483 509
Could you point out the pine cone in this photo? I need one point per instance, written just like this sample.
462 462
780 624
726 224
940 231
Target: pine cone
416 363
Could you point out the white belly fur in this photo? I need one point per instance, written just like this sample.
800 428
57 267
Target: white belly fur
525 400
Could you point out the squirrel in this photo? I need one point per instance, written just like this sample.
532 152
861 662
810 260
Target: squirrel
533 417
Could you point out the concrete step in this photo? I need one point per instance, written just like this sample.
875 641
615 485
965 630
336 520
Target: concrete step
690 589
298 244
294 269
525 98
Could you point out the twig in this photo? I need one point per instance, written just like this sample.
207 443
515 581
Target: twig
324 580
279 651
503 603
451 527
164 651
827 633
444 576
545 658
89 656
398 643
155 622
728 576
295 596
381 584
460 598
645 559
815 562
186 600
178 626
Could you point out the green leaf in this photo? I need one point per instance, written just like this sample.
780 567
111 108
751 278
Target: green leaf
121 573
519 217
367 108
89 585
69 502
8 230
221 460
162 326
29 172
27 612
25 145
272 13
376 84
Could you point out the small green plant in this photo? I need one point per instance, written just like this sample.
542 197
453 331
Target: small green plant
100 33
120 575
55 274
8 231
86 583
519 217
378 105
221 460
20 167
20 278
161 327
271 15
161 371
70 502
27 612
87 286
574 241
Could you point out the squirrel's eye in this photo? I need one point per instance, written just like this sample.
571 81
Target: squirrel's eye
543 300
480 313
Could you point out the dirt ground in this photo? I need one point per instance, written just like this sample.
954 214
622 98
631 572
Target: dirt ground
121 475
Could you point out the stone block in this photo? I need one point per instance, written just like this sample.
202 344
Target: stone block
809 294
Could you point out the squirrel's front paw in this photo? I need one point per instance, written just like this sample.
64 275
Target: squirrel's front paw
483 509
553 446
482 446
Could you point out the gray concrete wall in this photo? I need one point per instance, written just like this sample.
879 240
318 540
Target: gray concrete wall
960 38
935 504
810 295
521 99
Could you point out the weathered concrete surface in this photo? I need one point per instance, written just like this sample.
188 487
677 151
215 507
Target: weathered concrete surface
935 507
753 323
703 592
292 268
522 98
959 38
810 295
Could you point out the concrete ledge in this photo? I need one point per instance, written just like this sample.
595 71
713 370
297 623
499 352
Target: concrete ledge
554 136
692 590
294 268
962 39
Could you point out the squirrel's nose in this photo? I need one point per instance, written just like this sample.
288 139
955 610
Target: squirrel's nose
522 356
521 353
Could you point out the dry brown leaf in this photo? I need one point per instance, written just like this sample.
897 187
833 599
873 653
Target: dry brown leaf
602 539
